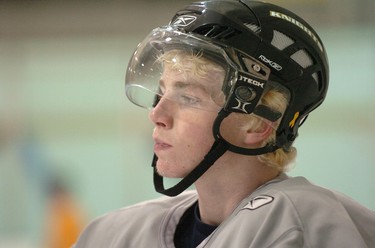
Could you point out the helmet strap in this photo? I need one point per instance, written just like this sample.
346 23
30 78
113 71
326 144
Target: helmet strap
218 148
236 149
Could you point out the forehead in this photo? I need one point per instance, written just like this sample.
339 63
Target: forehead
190 70
187 78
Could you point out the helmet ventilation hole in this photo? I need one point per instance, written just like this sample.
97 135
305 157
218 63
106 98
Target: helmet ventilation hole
253 27
315 77
216 31
280 40
302 58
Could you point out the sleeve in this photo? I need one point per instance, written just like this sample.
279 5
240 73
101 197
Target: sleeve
328 220
361 217
94 235
291 239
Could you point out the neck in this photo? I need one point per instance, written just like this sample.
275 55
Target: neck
224 185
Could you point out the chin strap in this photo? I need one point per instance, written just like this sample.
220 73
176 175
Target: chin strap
236 149
217 149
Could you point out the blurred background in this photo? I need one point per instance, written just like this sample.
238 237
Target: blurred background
72 147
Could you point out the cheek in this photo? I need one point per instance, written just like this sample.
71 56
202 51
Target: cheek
193 139
234 129
198 145
199 139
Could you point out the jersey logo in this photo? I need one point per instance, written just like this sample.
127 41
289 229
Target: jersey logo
258 202
183 21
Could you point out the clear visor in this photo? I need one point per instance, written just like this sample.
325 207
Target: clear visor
178 67
186 71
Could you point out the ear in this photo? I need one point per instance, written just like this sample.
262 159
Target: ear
255 137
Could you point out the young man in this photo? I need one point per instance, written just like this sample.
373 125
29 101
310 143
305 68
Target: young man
228 84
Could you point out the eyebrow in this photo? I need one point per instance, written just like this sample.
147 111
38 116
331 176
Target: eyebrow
184 85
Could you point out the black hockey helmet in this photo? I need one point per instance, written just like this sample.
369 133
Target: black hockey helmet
263 44
278 38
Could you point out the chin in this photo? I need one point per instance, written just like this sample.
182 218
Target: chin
170 170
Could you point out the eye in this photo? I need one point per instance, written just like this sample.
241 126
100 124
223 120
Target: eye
189 100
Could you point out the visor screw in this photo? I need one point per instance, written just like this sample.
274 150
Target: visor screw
245 94
256 68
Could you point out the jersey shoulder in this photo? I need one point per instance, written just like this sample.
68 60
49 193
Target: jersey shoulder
126 226
322 212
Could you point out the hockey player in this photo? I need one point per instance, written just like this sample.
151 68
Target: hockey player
228 84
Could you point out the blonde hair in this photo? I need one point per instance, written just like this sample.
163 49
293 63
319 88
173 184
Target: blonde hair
274 98
280 159
190 62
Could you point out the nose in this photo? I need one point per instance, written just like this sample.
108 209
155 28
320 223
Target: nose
161 114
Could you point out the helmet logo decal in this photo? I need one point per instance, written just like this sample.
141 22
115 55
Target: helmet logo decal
292 123
298 24
275 65
184 20
245 94
241 106
251 81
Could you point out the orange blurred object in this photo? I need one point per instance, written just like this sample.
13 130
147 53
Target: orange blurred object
64 220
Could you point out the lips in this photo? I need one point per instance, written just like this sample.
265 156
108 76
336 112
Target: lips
160 145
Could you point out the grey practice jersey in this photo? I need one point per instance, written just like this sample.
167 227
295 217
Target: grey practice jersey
285 212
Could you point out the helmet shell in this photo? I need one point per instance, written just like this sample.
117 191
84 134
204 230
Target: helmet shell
278 38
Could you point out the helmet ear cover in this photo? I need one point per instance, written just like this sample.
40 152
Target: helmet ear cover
245 95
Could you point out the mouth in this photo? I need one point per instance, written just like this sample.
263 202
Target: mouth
160 145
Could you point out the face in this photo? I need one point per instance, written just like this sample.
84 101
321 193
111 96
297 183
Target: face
183 120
